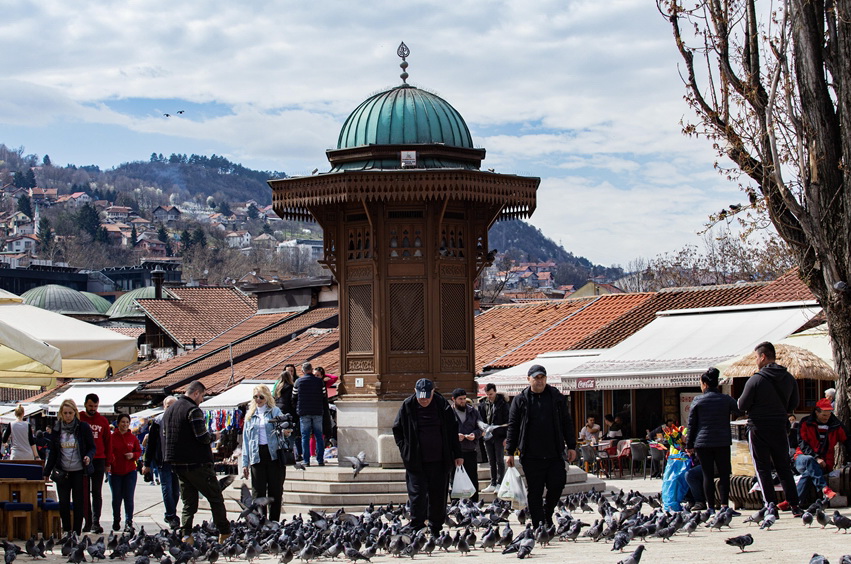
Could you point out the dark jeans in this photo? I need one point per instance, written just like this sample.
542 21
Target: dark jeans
195 479
267 479
770 445
471 467
123 489
312 423
69 489
712 459
811 473
541 472
93 492
496 456
170 487
694 479
427 490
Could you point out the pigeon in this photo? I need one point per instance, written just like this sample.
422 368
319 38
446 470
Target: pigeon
621 540
769 520
841 522
226 481
353 555
358 463
807 519
819 559
741 541
845 559
487 430
78 554
635 557
757 517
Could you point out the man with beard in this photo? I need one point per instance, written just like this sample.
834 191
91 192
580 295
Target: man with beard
93 484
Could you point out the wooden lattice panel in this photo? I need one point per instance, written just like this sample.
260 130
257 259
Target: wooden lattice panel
359 245
360 318
452 241
453 313
407 317
405 241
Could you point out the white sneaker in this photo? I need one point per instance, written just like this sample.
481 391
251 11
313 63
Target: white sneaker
490 489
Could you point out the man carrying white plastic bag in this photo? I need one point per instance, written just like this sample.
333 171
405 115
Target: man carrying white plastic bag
541 428
462 486
512 489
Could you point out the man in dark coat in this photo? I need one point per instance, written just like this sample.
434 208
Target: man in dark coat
468 435
494 411
310 400
816 452
769 397
540 427
426 433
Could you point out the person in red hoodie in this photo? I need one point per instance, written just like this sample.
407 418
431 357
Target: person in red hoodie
93 483
126 450
814 457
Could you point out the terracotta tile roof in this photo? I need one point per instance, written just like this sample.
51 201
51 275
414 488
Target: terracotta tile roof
670 298
787 288
12 395
502 328
219 307
573 328
128 331
268 364
251 337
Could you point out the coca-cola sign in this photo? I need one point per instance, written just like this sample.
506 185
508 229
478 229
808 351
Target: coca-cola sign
586 383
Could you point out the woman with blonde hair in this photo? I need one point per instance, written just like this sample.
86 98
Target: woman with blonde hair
260 450
19 436
69 461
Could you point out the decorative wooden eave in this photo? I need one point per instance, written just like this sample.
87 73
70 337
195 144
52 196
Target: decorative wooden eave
293 198
424 151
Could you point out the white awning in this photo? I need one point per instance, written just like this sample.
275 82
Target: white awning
513 380
7 413
147 413
109 393
679 345
235 396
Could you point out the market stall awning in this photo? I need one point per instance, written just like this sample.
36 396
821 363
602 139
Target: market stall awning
109 393
7 413
147 413
235 396
679 345
513 380
87 350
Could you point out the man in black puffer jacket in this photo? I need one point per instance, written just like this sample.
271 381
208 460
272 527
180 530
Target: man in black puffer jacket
426 433
769 397
309 398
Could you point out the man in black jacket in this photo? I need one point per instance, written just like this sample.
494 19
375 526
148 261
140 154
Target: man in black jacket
494 411
309 398
169 484
769 397
186 446
427 436
469 433
540 426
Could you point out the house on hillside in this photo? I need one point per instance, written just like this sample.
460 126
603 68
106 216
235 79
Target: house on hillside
45 196
264 241
166 214
75 200
21 244
118 213
238 239
19 223
314 247
594 288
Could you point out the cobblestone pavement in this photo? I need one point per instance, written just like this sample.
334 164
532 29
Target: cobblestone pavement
787 542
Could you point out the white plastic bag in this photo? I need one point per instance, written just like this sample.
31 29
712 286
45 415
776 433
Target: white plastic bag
512 488
462 486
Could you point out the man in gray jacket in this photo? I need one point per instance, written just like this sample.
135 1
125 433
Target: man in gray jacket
769 397
468 435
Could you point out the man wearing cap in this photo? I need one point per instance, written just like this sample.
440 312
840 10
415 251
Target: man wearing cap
814 457
426 433
468 419
540 427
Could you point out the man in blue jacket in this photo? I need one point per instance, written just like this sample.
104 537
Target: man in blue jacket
309 396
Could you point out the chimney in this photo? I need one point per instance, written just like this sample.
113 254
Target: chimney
158 275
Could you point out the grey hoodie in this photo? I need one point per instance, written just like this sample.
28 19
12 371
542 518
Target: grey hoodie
769 396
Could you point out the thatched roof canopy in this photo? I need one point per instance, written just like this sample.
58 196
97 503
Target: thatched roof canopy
800 362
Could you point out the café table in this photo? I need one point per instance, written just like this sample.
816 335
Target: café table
21 490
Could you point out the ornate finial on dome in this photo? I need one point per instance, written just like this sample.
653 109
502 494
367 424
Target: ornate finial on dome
403 52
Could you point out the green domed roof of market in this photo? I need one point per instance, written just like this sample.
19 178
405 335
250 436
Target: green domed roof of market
59 299
125 306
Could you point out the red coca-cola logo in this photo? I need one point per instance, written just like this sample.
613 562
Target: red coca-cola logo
586 384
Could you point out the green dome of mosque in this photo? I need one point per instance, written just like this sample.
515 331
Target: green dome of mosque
59 299
101 304
404 115
125 306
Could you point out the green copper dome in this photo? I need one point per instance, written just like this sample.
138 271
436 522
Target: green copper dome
125 306
101 304
59 299
404 115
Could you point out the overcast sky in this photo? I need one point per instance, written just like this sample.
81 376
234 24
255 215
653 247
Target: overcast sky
582 93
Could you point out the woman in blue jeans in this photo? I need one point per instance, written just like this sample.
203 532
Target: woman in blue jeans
122 480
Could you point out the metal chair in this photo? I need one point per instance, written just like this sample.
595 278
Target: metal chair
589 458
640 453
658 458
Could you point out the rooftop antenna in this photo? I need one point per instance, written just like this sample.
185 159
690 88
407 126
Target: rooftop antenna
403 52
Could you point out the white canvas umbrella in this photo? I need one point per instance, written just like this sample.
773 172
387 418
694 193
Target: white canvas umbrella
87 351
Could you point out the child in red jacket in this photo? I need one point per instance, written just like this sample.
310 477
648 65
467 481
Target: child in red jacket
126 450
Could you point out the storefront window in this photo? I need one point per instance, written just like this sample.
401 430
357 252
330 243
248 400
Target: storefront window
594 405
622 405
649 413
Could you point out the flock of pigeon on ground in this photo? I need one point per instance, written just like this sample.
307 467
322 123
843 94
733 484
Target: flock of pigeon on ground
385 530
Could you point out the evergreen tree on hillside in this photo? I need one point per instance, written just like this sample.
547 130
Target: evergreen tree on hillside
45 233
25 205
253 212
46 161
199 239
88 220
30 176
162 235
186 241
224 209
133 236
101 235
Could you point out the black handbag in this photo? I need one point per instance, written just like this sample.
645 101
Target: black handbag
286 456
59 476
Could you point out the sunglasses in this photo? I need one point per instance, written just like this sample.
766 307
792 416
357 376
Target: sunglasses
259 397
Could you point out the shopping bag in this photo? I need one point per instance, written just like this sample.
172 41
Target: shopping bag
462 486
674 485
512 488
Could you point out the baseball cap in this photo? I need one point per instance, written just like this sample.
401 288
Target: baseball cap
824 405
458 392
424 388
535 370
